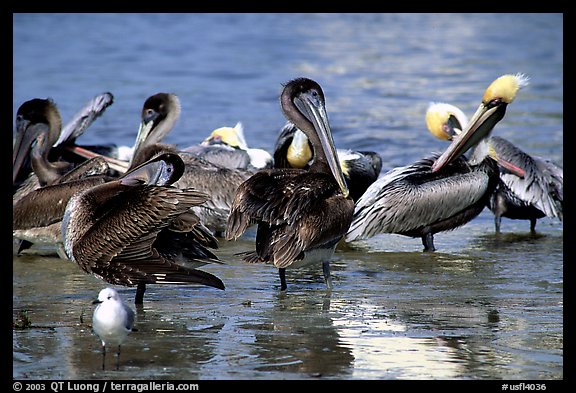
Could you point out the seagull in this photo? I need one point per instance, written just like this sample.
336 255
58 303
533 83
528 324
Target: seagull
112 321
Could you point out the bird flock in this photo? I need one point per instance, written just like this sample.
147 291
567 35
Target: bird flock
154 213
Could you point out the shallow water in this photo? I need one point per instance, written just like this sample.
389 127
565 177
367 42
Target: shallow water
489 310
484 306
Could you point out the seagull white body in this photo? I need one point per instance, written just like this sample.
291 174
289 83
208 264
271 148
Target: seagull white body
112 320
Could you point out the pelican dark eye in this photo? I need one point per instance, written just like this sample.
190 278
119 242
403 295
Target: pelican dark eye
494 102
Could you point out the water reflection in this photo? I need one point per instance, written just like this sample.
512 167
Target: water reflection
391 315
382 349
432 319
300 337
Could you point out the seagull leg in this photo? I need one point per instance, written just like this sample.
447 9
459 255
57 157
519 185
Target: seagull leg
282 274
140 289
118 359
103 356
428 242
326 271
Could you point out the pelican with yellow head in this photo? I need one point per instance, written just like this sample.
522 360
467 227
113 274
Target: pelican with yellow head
536 194
439 192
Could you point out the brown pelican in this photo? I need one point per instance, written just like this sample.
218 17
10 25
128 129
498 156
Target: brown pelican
226 146
38 127
130 231
301 214
76 127
440 192
538 194
36 215
34 118
360 168
38 124
159 115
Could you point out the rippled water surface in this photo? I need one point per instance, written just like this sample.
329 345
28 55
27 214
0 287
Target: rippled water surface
484 306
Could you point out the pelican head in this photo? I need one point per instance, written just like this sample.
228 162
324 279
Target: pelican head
495 100
303 104
159 114
33 118
445 121
230 136
164 169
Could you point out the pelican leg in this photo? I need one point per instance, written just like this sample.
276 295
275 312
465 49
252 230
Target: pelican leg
533 225
282 274
497 221
428 242
140 289
326 271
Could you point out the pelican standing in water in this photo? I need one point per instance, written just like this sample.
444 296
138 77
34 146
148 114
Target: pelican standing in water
130 231
301 214
440 192
360 168
538 194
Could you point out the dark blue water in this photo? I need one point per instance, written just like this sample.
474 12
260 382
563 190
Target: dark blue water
483 307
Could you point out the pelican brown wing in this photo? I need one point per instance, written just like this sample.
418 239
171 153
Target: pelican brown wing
125 222
290 206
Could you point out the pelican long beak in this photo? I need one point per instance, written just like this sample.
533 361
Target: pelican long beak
479 127
117 165
162 170
26 134
142 136
84 117
506 165
319 118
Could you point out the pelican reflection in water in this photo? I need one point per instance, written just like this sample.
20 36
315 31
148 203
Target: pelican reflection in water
301 214
440 192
